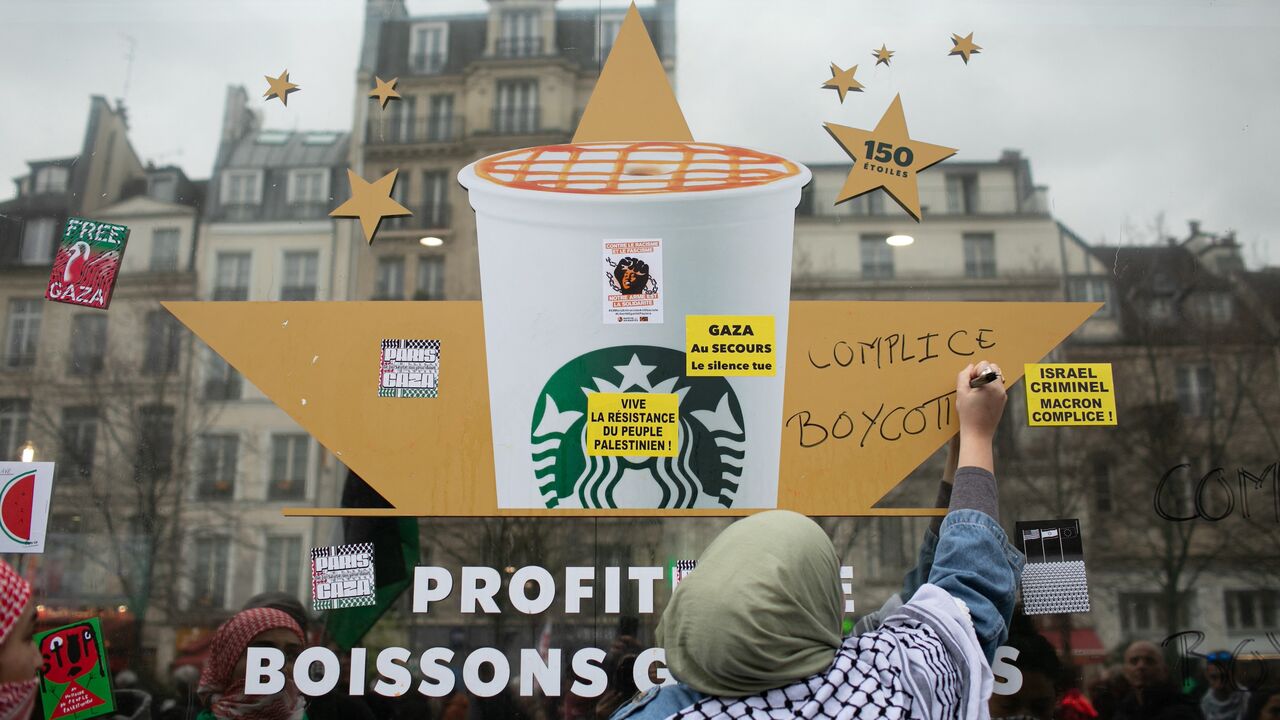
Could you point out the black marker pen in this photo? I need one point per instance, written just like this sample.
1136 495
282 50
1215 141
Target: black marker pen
983 379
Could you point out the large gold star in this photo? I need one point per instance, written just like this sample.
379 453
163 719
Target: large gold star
279 87
842 80
888 158
882 55
384 90
964 47
370 201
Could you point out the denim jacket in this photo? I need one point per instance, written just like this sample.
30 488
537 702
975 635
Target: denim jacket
970 558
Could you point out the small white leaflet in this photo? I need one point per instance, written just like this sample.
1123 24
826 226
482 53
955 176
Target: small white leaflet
632 281
25 489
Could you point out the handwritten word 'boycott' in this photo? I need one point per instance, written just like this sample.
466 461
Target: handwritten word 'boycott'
898 348
892 425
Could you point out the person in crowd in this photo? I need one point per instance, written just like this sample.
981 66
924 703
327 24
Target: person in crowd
619 664
1224 700
1040 668
1107 691
337 704
222 684
183 705
1151 696
19 658
1264 706
1072 703
757 629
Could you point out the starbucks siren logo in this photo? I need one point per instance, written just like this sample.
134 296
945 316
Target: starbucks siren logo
706 469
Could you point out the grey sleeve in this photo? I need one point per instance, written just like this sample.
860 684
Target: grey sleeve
975 489
943 500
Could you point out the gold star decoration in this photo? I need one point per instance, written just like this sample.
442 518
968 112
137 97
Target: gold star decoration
964 47
882 55
279 87
888 158
842 81
370 201
384 90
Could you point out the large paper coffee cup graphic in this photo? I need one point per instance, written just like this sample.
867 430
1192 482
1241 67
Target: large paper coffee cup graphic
591 257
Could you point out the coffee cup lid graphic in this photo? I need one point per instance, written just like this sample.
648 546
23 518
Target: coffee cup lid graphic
715 224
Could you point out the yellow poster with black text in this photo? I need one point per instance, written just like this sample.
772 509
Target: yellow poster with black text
730 345
1062 394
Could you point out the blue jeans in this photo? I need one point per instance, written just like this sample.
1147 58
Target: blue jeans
973 561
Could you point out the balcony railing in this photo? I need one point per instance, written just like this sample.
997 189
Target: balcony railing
20 361
236 292
516 121
425 217
298 292
437 129
511 47
427 63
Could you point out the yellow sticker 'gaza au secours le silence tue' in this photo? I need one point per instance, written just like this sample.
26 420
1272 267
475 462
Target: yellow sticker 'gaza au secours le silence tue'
1070 394
724 345
633 424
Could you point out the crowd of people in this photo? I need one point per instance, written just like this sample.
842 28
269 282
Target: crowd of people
756 632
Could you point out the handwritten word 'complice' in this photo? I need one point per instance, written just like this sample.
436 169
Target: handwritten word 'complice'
893 424
900 348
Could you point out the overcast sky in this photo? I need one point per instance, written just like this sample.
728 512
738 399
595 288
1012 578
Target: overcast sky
1126 108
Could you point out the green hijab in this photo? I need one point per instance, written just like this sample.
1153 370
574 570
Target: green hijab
762 610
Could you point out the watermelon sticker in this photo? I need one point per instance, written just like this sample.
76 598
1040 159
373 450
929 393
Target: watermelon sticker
75 680
24 505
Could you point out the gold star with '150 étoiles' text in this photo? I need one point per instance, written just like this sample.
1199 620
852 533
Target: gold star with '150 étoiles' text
882 55
888 158
385 90
371 201
964 47
842 80
279 87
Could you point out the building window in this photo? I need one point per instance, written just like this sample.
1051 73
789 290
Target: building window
877 257
231 276
164 250
428 47
520 36
805 208
308 187
288 467
221 381
962 193
389 284
979 255
37 241
430 285
1091 289
1195 390
517 109
162 187
300 271
1160 309
155 443
1251 609
889 546
871 203
52 179
218 457
398 127
23 335
1142 612
1218 307
209 571
88 343
440 121
79 438
164 340
1101 472
242 187
609 27
282 563
14 414
435 204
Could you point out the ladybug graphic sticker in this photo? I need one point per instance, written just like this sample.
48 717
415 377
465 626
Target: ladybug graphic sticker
75 679
24 505
88 259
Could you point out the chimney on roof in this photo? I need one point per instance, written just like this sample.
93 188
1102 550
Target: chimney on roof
1195 227
1009 155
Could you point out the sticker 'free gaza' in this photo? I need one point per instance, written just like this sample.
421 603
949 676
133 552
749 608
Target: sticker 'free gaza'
84 270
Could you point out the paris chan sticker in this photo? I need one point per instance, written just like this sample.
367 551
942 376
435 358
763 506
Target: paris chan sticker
409 369
342 576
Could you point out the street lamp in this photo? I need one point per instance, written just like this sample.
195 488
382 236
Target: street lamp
431 241
28 452
899 240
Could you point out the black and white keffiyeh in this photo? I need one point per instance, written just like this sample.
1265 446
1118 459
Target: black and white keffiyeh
869 679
